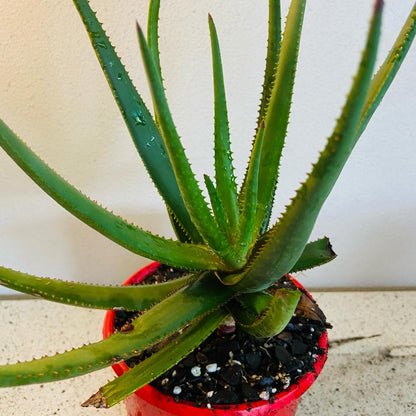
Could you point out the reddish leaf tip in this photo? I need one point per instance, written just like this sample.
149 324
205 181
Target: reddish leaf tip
378 5
138 27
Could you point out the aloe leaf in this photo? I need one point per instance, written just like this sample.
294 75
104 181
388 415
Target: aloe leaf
216 205
314 254
274 317
159 362
153 42
115 228
388 70
277 114
140 124
91 296
272 57
249 199
180 232
224 171
162 320
289 236
192 195
152 33
248 307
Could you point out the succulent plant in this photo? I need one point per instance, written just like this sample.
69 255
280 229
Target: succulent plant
233 256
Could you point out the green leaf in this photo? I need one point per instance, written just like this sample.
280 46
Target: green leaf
388 70
142 128
249 306
159 362
91 296
224 171
216 205
288 237
192 195
162 320
314 254
277 114
273 319
122 232
272 57
246 228
182 235
152 33
153 41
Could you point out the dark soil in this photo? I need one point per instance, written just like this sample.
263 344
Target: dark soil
236 367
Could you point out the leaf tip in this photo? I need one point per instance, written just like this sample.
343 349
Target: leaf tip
96 400
138 28
378 5
329 249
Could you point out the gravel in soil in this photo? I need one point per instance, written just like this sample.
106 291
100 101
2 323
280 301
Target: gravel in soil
237 367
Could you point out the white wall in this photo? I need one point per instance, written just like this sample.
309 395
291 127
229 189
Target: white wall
52 93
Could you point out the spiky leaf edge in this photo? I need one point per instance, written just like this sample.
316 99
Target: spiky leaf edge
224 171
188 185
388 70
86 295
142 128
127 235
277 114
159 362
273 319
156 324
315 254
246 227
216 205
289 235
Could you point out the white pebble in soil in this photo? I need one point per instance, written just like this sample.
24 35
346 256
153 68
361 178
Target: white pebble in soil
196 371
264 395
177 390
212 368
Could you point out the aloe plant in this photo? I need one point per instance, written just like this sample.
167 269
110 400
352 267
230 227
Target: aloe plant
232 254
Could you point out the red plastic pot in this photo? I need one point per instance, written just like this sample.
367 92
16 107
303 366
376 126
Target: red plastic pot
148 401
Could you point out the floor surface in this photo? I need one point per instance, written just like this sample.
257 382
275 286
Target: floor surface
371 368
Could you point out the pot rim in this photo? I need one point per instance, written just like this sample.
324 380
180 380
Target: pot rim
281 400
